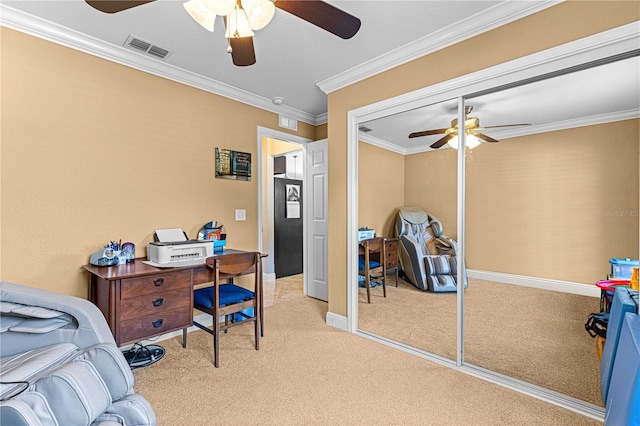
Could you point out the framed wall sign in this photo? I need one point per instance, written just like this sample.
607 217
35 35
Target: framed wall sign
233 164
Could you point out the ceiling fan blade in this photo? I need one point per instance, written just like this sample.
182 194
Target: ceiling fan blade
322 15
243 53
442 141
427 133
114 6
484 137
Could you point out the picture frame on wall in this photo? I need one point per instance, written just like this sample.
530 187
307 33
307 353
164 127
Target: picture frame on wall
233 165
293 201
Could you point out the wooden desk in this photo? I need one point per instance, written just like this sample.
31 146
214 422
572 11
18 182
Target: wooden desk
140 301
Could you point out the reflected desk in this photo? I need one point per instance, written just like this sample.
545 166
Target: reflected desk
391 255
140 301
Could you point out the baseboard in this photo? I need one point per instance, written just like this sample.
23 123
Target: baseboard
541 283
337 321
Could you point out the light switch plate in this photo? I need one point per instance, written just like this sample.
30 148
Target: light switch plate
241 215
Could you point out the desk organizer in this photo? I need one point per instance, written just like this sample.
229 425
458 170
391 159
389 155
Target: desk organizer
219 245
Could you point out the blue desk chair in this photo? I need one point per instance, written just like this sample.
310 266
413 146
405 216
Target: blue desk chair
237 304
371 264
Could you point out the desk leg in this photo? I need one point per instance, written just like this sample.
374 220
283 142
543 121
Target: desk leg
261 301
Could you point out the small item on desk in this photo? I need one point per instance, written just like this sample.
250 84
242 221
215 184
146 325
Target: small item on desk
212 232
104 257
365 233
128 251
113 253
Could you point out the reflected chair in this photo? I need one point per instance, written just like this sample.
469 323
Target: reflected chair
238 305
371 264
428 258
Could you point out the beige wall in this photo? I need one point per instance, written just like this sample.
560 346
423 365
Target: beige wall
554 26
556 205
381 188
93 151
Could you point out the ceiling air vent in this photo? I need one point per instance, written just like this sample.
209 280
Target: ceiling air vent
135 43
364 129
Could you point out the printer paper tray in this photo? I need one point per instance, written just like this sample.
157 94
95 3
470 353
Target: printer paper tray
176 264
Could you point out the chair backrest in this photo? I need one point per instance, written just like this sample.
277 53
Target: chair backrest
235 264
421 226
376 247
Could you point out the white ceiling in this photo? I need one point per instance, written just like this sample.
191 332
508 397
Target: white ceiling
595 95
296 59
292 55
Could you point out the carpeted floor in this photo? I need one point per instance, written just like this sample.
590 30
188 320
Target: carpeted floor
307 372
534 335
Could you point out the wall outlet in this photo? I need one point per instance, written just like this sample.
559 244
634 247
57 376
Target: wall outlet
241 215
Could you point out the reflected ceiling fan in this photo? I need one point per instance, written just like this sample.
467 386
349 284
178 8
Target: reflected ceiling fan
471 127
243 16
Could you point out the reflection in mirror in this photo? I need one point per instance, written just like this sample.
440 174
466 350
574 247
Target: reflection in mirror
538 215
395 171
546 208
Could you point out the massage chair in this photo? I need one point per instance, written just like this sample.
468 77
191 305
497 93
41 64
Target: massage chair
59 364
428 258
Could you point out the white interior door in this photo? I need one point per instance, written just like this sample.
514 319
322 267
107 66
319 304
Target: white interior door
315 269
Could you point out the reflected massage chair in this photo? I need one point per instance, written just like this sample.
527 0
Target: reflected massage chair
427 257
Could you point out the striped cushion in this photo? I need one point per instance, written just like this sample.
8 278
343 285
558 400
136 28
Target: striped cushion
437 265
436 281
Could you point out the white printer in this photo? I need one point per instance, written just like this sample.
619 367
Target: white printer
366 233
173 250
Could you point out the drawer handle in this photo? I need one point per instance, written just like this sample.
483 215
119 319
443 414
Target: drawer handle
158 302
157 323
158 282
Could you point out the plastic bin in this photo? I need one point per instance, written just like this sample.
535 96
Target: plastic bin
621 268
607 290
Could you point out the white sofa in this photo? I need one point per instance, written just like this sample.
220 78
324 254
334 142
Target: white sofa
59 364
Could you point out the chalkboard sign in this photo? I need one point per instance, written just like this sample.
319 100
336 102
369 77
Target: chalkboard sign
233 164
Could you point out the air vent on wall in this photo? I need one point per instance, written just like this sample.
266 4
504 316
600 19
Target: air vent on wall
135 43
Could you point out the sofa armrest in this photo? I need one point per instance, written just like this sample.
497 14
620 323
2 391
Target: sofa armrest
88 329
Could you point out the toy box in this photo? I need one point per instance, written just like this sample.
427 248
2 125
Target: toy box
621 268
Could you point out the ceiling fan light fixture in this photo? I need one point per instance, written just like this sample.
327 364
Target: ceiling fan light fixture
471 141
220 7
200 13
259 12
237 23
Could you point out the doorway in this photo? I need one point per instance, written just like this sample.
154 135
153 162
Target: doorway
275 144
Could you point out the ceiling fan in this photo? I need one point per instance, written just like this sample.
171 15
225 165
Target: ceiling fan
243 16
471 128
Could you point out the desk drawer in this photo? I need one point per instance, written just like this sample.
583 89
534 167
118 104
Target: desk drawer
154 284
156 303
141 328
391 252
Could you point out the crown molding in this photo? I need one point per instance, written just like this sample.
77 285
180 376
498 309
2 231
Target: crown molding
47 30
568 124
513 133
494 17
381 143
